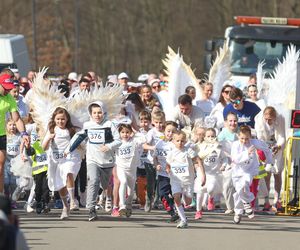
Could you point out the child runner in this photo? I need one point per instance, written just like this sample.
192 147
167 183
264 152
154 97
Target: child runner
12 150
145 123
163 180
127 160
181 169
213 158
63 168
227 136
245 167
102 140
153 136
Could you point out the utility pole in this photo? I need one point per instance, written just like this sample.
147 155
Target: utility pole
77 21
33 14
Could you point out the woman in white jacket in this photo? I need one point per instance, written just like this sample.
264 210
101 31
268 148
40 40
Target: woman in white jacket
270 127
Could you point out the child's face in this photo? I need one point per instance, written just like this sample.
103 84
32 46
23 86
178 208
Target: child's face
200 134
97 114
179 141
232 122
146 94
60 121
125 134
169 130
244 138
144 123
11 127
210 136
158 124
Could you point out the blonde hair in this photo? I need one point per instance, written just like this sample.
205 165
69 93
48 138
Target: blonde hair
178 133
158 115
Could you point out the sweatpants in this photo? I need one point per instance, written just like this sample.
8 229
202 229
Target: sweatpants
127 184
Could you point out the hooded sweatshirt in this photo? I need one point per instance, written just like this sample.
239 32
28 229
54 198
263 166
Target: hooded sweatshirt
96 135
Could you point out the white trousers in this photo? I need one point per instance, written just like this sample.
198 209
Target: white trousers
127 183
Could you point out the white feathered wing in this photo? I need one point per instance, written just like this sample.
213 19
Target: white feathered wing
282 87
260 79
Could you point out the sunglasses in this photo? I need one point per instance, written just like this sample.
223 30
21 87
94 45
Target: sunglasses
156 87
226 91
236 102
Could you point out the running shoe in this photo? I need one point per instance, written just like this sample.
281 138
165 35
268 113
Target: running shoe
65 213
229 211
115 212
182 225
198 215
122 211
92 214
174 218
39 207
211 204
267 206
108 205
237 218
74 205
248 210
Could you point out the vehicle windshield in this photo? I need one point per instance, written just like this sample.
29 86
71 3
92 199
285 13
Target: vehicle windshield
246 53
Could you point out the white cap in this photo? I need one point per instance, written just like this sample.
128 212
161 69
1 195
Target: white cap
143 77
153 81
123 75
72 76
134 84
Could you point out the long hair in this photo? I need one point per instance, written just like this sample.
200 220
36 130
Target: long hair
69 125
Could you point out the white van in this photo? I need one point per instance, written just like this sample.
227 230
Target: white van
14 53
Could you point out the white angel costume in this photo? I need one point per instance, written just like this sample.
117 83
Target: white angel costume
244 168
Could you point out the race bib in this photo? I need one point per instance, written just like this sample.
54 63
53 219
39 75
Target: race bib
126 152
210 160
41 158
161 154
12 149
33 137
96 136
180 170
58 155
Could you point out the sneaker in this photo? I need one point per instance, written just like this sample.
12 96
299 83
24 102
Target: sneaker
115 212
46 208
267 206
122 211
128 212
142 207
92 214
14 205
65 213
174 218
28 208
237 218
58 204
16 194
148 206
108 205
248 210
277 207
182 225
39 207
198 215
74 205
229 211
210 205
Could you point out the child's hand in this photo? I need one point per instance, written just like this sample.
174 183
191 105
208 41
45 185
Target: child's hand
51 136
104 148
168 169
222 168
23 157
251 150
158 167
66 154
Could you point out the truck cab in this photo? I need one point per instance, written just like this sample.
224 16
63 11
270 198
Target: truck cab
255 39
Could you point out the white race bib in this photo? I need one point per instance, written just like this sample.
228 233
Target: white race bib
33 137
96 136
58 155
180 170
126 152
41 158
13 149
211 160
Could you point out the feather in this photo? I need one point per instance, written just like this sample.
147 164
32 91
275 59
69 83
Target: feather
260 77
43 101
282 87
180 76
111 97
220 71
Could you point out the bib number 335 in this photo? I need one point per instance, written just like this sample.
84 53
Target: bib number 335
180 170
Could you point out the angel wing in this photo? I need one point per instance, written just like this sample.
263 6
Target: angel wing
260 77
282 87
180 76
220 71
111 97
44 99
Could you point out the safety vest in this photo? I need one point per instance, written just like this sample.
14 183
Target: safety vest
39 159
262 173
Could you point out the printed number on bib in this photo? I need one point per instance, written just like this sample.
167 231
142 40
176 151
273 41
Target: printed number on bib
180 170
58 155
126 152
41 158
33 137
12 149
211 160
96 136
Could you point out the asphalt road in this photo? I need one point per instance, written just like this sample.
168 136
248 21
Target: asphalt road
151 231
